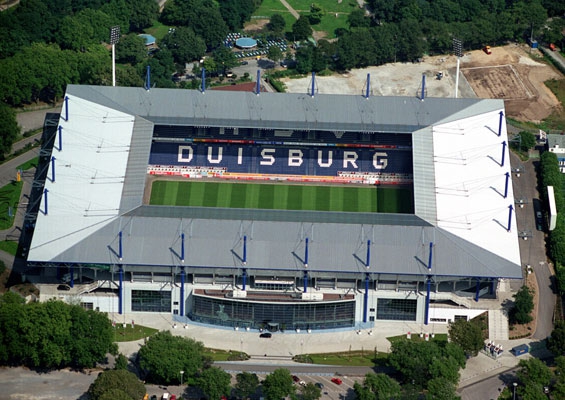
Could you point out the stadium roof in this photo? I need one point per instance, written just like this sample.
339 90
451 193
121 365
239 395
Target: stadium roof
459 186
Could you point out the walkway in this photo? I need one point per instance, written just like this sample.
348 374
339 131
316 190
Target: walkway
290 9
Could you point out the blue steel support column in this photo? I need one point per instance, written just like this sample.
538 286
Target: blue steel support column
368 262
46 204
313 83
60 138
478 289
72 281
368 86
500 123
305 279
121 291
258 88
492 285
120 248
503 153
428 290
510 208
506 184
53 169
148 78
203 86
244 249
182 247
182 275
366 298
423 87
244 277
66 108
306 254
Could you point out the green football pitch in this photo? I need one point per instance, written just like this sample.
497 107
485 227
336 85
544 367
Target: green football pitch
279 196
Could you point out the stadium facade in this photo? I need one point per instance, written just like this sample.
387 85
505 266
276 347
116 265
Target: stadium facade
265 268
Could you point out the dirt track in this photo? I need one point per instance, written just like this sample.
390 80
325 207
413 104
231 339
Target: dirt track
512 72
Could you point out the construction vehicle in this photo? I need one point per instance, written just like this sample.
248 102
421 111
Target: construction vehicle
487 50
552 46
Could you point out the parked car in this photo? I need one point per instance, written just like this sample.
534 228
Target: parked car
266 335
319 385
244 62
63 287
337 381
295 378
539 221
302 383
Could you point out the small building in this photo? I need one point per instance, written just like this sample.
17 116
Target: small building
520 350
149 39
556 144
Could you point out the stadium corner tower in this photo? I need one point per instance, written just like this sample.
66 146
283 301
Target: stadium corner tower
250 227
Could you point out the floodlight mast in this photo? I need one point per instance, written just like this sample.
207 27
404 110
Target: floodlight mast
458 50
114 38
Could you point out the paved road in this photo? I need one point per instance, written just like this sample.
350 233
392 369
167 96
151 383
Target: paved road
556 56
533 250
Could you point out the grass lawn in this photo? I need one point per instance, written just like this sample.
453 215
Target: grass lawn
9 246
129 334
557 119
29 164
9 199
158 30
364 358
281 196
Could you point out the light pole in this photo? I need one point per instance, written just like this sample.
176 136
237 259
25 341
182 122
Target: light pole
114 38
514 390
458 50
181 374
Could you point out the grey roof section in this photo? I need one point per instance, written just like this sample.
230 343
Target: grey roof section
424 175
275 110
134 181
555 140
333 247
276 215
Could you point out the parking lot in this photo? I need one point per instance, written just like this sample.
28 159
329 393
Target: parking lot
330 390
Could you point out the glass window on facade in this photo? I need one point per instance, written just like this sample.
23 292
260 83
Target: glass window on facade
396 309
151 300
226 312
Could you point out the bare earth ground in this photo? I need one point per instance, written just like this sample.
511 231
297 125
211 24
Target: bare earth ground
511 72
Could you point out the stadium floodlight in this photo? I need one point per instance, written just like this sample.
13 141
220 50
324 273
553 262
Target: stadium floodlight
114 38
458 50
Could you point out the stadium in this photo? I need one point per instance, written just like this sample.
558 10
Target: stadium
273 210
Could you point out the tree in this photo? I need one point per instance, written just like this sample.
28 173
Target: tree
420 362
316 14
277 25
9 129
214 382
184 44
357 19
556 342
109 382
534 372
527 140
275 54
310 392
121 362
142 14
131 49
521 313
467 335
247 384
301 29
164 355
440 389
278 384
377 387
